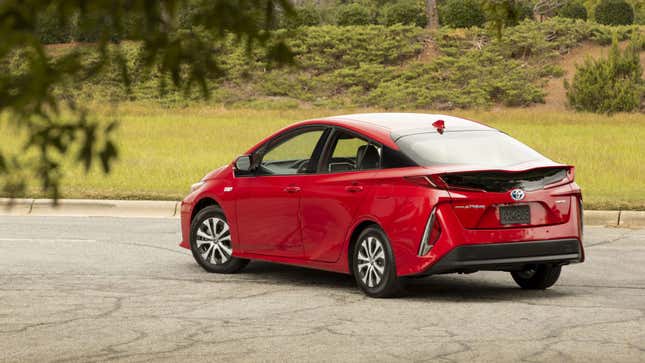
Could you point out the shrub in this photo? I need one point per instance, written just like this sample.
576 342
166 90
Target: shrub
474 80
373 65
406 12
603 34
461 14
543 41
353 14
614 12
573 10
326 48
608 85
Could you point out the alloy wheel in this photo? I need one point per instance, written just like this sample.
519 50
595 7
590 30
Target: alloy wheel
371 261
214 241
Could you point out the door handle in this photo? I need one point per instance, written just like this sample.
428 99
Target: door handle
354 188
292 189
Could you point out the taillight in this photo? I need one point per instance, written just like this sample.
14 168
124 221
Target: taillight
566 180
431 233
430 181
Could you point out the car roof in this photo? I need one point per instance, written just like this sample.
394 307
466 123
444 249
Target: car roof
387 128
407 123
398 125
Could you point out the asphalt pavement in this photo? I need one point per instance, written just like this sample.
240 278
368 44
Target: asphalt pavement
99 289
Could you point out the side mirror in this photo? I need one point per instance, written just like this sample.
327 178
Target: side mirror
243 163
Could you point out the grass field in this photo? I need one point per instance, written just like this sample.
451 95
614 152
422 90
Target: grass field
163 151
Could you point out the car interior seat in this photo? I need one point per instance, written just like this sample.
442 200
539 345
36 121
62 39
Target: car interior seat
367 157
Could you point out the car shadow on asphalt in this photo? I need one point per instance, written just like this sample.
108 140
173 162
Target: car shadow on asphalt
454 288
474 287
286 274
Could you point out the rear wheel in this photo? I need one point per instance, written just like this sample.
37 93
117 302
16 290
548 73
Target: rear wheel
373 264
210 242
537 277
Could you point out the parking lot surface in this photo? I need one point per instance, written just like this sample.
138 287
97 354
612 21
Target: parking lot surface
98 289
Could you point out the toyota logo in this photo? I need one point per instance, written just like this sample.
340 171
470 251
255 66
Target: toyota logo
517 194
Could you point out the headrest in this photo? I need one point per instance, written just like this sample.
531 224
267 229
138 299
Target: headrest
367 157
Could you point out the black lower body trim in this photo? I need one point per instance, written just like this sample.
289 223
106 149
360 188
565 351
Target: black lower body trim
511 256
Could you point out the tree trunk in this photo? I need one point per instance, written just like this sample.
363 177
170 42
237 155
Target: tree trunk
432 14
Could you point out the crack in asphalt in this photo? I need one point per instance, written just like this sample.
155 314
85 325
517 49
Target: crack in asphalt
115 308
558 332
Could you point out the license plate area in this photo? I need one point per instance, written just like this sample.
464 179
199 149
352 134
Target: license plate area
515 214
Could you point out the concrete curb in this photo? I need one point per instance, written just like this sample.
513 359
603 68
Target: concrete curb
161 209
601 217
15 207
632 218
89 208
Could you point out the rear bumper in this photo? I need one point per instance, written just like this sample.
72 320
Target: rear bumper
507 256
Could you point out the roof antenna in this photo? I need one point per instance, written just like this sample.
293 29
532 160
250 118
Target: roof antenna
440 126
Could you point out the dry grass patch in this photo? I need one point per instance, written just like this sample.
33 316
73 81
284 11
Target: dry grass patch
163 151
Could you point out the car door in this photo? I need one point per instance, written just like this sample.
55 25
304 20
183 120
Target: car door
268 200
330 199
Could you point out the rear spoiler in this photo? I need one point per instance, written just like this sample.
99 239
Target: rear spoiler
498 180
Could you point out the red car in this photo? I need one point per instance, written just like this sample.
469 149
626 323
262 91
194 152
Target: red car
385 196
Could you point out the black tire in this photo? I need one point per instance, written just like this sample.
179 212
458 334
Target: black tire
389 284
537 277
225 263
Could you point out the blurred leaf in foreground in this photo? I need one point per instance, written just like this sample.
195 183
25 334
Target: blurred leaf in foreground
32 95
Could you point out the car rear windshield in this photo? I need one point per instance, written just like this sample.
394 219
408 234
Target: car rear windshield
482 148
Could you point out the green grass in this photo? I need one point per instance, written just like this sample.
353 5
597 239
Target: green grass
163 151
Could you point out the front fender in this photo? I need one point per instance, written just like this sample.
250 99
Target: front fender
218 191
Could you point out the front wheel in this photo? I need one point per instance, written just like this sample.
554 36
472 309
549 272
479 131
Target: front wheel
537 277
373 264
210 242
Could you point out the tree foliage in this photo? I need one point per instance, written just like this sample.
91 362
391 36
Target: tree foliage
354 14
353 66
407 12
59 127
523 10
608 85
614 12
573 10
307 15
461 13
50 29
548 8
503 13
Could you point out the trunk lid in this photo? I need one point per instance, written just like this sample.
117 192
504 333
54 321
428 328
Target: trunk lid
494 199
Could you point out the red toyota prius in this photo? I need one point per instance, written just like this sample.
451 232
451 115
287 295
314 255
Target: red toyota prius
385 196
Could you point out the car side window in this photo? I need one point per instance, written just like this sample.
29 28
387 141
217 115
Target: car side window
352 153
292 155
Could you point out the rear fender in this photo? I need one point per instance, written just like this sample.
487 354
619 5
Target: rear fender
401 208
